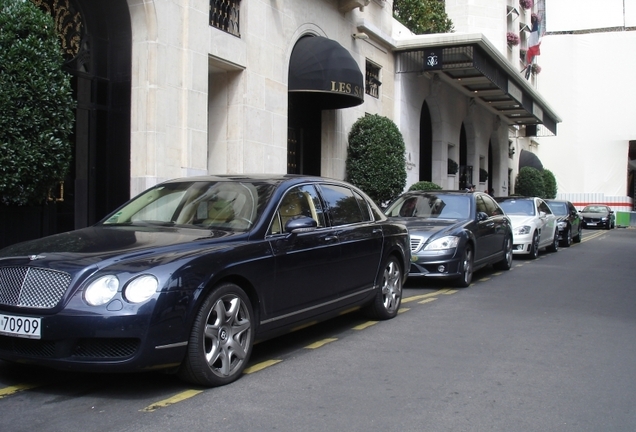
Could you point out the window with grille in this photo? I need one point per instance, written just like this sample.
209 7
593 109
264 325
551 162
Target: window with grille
225 14
372 81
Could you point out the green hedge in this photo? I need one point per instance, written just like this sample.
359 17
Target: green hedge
36 105
376 161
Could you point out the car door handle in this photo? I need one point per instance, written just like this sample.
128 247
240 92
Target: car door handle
330 239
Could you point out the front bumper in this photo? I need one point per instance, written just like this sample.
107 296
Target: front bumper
80 339
521 244
435 264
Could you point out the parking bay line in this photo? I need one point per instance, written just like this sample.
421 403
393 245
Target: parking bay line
7 391
179 397
424 296
321 343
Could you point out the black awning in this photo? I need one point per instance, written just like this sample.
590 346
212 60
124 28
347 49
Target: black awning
529 159
324 74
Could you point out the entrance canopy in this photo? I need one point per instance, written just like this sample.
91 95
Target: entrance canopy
324 74
471 64
529 159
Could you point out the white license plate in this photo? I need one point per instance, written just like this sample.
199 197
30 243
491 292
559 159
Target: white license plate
26 327
591 223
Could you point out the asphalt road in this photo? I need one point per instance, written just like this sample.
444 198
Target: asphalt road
547 346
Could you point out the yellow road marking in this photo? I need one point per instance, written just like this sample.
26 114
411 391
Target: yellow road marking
449 291
401 310
179 397
428 300
423 296
260 366
321 343
7 391
484 279
365 325
497 274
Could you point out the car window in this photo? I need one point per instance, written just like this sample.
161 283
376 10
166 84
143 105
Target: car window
230 205
542 206
518 206
559 208
431 205
364 206
343 206
492 208
298 201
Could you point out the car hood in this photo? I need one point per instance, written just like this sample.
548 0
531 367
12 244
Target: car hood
595 215
520 220
104 244
428 227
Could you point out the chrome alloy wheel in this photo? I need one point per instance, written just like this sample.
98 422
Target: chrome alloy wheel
227 335
392 287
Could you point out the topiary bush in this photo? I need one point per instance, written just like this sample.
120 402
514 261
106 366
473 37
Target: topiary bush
549 184
529 182
36 105
376 161
424 186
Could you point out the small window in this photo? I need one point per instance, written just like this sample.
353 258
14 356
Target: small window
343 206
298 201
372 81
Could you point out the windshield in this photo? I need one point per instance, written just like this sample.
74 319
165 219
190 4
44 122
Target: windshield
518 207
431 206
225 205
594 209
559 209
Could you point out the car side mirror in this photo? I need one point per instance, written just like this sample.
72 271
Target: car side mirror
300 224
481 216
542 214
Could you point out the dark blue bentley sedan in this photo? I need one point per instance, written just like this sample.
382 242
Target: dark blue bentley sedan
189 274
454 233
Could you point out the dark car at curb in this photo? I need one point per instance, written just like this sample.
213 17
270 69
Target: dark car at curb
569 222
453 233
188 275
598 216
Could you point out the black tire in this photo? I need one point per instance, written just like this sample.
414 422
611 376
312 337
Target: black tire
567 241
221 339
534 248
506 262
466 268
579 235
554 247
387 301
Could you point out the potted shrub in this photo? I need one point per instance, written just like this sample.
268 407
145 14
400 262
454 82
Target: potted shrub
376 160
36 105
424 186
535 69
529 182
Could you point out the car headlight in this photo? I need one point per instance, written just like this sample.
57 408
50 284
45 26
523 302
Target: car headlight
101 290
522 230
603 219
562 225
141 289
448 242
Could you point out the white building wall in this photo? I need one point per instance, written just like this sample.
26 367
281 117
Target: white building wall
587 78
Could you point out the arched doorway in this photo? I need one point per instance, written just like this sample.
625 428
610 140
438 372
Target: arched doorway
322 76
426 144
96 39
465 170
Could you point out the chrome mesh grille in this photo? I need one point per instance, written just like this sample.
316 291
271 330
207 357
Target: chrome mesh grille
32 287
